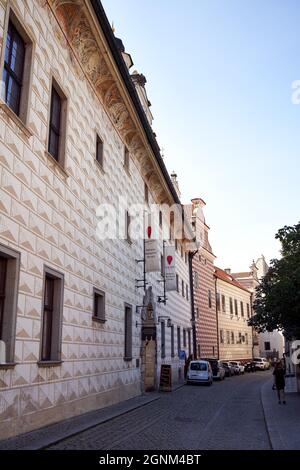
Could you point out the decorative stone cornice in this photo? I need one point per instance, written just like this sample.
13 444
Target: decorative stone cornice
86 44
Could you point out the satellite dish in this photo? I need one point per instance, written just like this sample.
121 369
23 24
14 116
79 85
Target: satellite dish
2 352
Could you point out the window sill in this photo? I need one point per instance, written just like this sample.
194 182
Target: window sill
127 359
18 121
57 164
49 363
8 365
98 320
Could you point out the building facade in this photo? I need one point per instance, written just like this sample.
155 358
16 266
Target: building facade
204 284
267 344
234 309
74 136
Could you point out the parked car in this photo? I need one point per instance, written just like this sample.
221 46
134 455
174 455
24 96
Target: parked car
235 367
199 371
238 365
250 367
217 368
261 363
228 369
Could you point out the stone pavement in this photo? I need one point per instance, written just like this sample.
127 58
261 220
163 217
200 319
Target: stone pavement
283 421
54 433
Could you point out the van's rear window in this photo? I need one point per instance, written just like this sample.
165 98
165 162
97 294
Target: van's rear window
198 366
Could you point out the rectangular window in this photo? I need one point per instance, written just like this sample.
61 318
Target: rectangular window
52 316
163 340
186 257
99 306
9 279
126 158
197 312
146 194
223 304
209 299
160 219
178 341
3 272
248 310
231 305
218 302
13 68
184 338
221 336
182 288
99 150
127 226
172 341
267 346
246 337
128 333
228 337
176 244
162 268
242 309
181 251
236 307
187 292
232 337
57 124
199 350
55 120
177 282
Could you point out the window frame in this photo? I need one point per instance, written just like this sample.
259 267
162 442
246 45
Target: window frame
209 299
163 339
128 336
21 119
223 301
62 143
242 308
99 160
172 341
178 341
236 311
248 311
10 302
57 319
126 160
98 293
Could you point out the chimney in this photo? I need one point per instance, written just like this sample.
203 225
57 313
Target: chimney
227 270
175 183
140 81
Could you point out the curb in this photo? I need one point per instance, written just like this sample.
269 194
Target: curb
56 432
271 424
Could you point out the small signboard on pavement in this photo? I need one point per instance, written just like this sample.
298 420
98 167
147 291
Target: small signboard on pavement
165 384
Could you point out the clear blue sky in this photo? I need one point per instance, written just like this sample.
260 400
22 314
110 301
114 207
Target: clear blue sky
219 78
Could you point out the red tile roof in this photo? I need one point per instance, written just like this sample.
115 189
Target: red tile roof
221 274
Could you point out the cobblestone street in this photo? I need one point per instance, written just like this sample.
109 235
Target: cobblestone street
228 415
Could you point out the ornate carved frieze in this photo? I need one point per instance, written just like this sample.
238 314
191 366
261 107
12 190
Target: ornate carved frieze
74 19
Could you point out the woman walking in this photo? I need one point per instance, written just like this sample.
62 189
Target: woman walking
279 381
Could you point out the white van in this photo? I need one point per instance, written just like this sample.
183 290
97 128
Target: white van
199 371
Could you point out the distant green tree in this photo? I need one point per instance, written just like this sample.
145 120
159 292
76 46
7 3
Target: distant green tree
277 303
